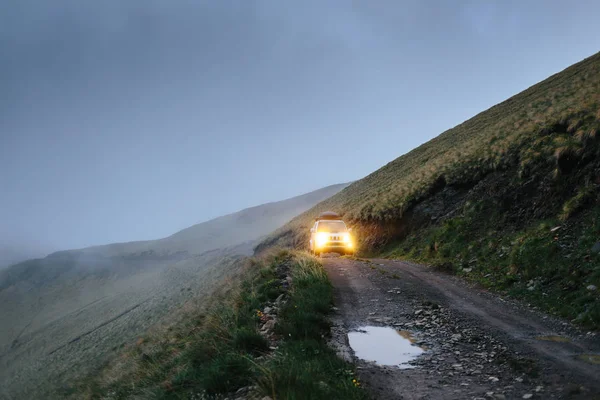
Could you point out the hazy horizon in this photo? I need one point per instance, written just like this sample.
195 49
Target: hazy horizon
130 121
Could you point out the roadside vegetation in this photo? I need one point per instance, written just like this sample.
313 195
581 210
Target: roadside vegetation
485 195
541 264
226 347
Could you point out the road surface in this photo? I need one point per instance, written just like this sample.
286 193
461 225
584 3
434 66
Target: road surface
477 345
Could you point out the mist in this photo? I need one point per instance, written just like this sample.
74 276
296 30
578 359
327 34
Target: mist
123 121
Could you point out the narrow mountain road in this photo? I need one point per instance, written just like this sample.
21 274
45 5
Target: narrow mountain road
477 345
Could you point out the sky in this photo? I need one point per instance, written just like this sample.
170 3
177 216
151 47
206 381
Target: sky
130 120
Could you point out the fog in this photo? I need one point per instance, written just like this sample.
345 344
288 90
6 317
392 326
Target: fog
124 121
20 251
70 311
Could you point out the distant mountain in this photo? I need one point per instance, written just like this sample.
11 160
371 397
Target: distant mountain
10 255
74 307
226 231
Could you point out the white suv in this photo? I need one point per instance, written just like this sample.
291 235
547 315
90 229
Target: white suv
330 234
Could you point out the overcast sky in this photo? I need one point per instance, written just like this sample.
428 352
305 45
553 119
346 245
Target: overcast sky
131 119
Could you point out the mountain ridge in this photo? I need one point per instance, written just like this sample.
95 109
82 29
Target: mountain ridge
509 199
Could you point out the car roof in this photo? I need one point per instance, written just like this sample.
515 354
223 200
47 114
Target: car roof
328 215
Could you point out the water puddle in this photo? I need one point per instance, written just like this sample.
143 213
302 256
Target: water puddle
590 358
384 346
554 339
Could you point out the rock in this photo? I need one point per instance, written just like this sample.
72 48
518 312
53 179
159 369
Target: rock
266 398
591 287
467 270
596 248
538 388
499 396
269 325
267 310
418 312
527 396
493 379
279 300
555 229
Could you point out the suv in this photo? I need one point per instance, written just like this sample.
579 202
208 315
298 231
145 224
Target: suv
330 234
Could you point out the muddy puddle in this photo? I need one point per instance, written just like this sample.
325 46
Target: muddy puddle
384 346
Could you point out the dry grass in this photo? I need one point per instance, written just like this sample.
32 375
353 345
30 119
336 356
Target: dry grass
553 122
475 197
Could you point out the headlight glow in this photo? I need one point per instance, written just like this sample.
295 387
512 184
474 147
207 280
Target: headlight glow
346 237
321 238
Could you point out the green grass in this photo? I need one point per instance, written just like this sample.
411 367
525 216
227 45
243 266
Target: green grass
218 350
542 130
494 186
543 267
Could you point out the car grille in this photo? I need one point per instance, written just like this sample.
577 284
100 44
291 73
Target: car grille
335 238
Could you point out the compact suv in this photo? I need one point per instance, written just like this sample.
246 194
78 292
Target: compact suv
330 234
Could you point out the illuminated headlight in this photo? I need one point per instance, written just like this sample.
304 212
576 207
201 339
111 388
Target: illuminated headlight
346 238
321 239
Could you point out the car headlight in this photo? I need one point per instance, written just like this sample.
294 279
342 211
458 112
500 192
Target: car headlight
321 238
346 237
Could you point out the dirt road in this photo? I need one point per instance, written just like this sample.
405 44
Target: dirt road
477 345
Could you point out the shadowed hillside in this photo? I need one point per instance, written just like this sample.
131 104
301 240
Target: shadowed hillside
71 310
508 198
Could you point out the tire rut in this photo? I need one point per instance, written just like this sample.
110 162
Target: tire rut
479 345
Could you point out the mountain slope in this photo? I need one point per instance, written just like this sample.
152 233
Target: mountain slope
225 231
70 310
484 196
10 255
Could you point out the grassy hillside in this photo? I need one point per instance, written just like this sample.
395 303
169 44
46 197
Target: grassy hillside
263 335
498 183
89 302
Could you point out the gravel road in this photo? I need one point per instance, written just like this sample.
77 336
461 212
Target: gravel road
477 345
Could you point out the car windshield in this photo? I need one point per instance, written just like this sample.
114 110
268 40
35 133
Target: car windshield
331 226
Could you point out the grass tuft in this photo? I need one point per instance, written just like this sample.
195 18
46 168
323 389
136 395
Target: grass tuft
584 196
